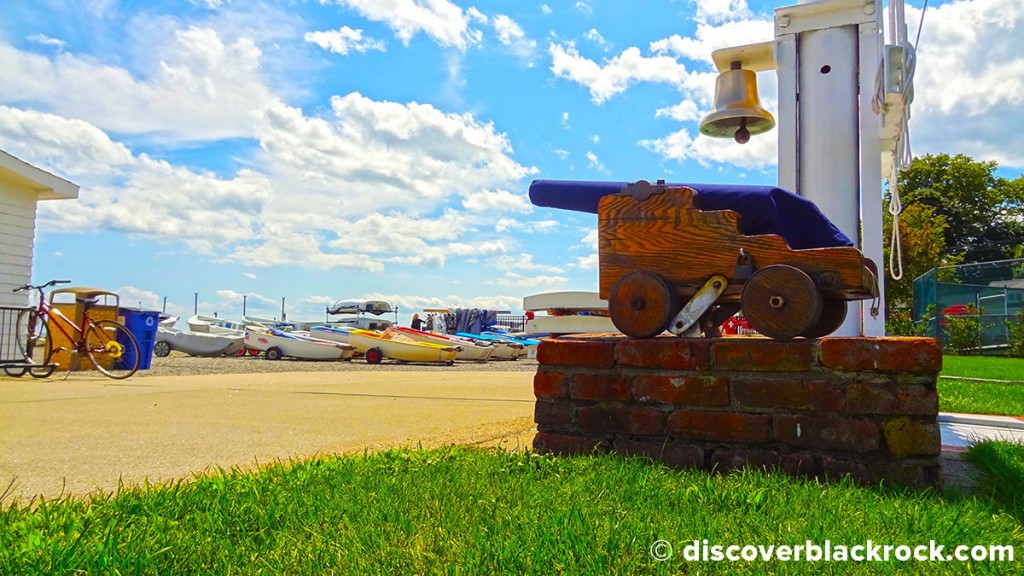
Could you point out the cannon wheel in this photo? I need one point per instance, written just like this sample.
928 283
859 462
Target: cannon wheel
781 302
641 304
833 314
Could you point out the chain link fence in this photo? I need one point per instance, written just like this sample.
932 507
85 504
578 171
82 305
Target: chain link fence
995 291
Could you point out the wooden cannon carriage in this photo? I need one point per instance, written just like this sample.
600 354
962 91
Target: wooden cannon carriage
666 264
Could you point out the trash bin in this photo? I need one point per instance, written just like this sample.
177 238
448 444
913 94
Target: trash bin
142 324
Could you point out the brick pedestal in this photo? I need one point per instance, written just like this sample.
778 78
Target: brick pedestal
860 406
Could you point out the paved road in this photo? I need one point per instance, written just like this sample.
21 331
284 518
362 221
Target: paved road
961 430
89 432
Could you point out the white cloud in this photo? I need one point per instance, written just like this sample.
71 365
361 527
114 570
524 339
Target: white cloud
202 88
685 111
544 8
760 152
496 201
441 20
589 243
377 155
538 226
211 4
584 8
709 38
721 10
47 41
594 36
969 86
565 120
486 248
524 262
132 297
618 73
453 301
134 194
249 275
515 280
345 40
594 163
511 35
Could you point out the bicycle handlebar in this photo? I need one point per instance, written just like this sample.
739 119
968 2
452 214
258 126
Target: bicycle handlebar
41 286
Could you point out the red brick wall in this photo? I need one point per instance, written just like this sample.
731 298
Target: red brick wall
825 408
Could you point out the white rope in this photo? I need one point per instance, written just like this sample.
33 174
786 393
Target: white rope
902 155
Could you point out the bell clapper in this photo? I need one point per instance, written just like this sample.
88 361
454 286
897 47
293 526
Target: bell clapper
742 135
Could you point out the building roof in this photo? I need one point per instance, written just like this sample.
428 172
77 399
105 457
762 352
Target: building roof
46 185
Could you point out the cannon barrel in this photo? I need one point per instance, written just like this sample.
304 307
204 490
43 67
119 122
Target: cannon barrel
762 209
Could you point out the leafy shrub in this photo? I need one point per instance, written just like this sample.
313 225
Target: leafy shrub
901 323
1016 335
964 331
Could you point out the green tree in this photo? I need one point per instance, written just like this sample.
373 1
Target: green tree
984 214
923 247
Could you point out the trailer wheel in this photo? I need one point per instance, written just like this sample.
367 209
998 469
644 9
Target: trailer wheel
374 356
781 301
273 353
161 349
641 304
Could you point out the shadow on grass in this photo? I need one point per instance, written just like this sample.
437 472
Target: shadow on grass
1003 466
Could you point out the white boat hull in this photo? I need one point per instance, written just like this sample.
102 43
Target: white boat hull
571 300
199 343
293 347
569 325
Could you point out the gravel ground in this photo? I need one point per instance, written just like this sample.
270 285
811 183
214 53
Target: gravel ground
178 364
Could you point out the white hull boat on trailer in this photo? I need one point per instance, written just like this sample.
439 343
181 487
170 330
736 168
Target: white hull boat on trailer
471 351
196 343
276 345
375 307
570 312
214 325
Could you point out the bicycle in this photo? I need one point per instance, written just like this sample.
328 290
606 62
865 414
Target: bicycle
108 345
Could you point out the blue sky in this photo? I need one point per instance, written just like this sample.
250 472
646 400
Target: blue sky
339 149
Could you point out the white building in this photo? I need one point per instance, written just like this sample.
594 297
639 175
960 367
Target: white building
22 186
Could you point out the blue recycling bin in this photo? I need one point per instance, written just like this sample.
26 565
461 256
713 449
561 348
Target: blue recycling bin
142 324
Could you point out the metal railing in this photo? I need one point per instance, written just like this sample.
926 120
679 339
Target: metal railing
10 350
512 323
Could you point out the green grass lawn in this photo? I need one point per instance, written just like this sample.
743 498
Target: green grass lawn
972 397
984 367
465 511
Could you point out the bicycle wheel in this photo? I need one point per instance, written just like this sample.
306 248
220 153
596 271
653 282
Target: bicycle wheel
33 337
112 349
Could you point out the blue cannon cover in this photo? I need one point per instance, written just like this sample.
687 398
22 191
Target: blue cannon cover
762 209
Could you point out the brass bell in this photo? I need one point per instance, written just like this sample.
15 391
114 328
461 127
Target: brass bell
738 112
